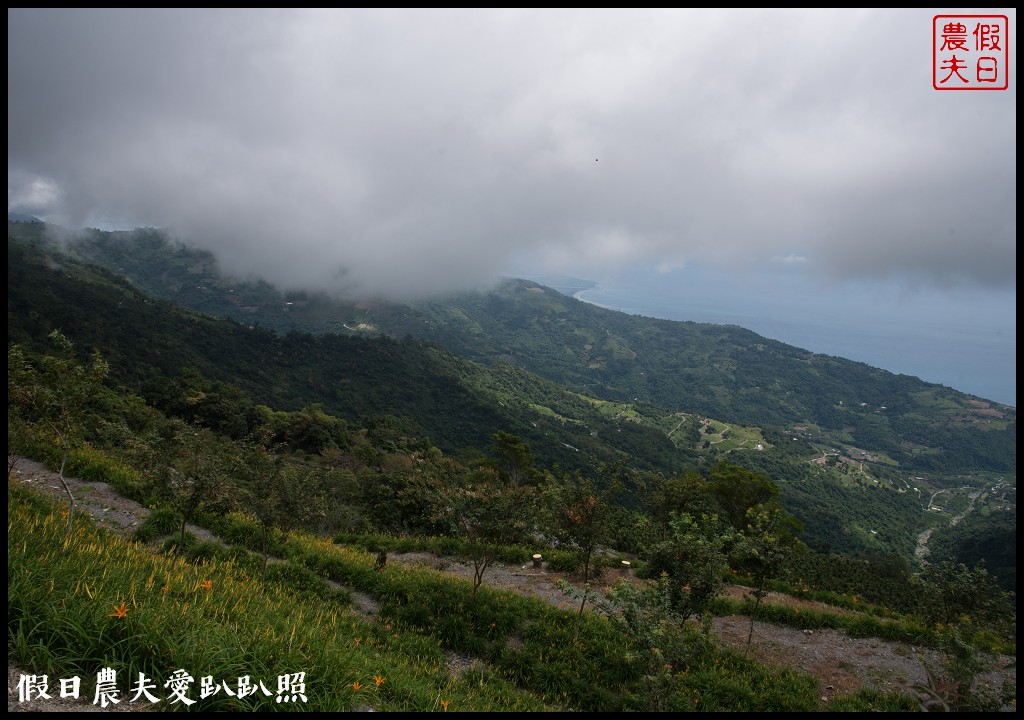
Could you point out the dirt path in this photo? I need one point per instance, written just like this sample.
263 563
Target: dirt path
842 664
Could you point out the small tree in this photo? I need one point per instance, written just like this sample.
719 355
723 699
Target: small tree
274 495
693 561
760 548
686 493
260 473
737 490
964 603
488 512
581 518
190 471
513 457
955 687
953 591
56 393
661 641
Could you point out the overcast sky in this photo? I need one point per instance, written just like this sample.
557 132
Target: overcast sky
401 152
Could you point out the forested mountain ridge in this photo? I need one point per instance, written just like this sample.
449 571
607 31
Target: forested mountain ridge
158 349
717 371
854 492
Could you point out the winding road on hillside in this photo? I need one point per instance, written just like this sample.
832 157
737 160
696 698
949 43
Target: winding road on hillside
921 551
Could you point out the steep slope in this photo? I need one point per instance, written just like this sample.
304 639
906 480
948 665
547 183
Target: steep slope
457 404
717 371
850 495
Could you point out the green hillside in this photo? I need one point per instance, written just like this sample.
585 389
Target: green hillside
511 361
716 371
455 404
305 460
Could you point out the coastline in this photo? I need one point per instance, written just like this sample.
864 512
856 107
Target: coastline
952 357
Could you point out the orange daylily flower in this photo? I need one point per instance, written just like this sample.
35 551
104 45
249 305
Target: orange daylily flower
378 679
356 686
444 704
120 611
206 584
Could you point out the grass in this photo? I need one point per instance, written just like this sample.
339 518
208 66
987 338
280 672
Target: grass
212 620
95 600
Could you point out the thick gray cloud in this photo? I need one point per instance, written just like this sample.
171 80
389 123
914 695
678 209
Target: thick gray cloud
403 152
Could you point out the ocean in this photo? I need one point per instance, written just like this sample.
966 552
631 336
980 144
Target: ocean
970 349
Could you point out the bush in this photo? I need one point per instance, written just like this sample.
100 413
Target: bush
160 522
298 578
874 701
206 550
171 544
561 561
